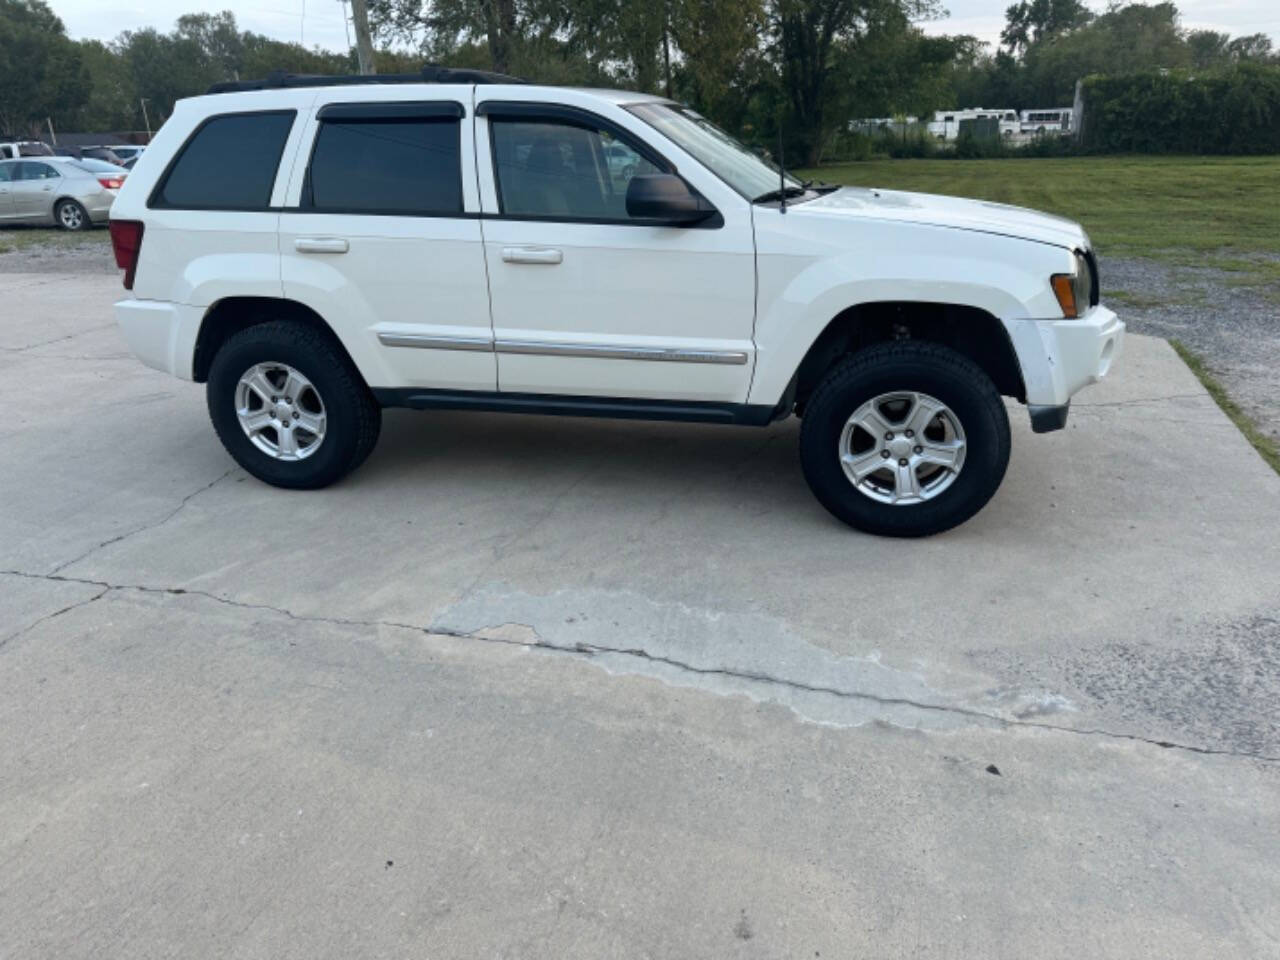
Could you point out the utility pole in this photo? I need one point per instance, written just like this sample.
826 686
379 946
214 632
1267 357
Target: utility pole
145 118
364 42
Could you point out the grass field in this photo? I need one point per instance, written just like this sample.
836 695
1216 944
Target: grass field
22 238
1219 211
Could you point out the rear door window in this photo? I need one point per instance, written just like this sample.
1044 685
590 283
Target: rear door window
389 159
229 163
30 170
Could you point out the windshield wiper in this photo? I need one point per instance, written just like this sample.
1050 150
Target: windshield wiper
822 187
779 194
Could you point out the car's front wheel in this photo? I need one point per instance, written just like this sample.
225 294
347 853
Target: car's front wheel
289 406
905 439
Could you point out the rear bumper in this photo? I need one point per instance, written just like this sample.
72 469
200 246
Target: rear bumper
98 206
161 334
1061 357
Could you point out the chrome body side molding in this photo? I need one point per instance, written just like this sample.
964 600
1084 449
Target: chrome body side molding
546 349
428 342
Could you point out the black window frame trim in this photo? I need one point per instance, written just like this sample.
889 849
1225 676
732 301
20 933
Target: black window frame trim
537 110
355 111
373 111
155 201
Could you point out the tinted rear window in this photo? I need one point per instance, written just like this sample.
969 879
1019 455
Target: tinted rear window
228 164
98 166
387 166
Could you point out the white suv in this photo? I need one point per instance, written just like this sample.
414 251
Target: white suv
316 249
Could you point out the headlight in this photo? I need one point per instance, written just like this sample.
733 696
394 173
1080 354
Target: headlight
1074 290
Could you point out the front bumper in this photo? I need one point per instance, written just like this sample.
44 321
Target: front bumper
1061 357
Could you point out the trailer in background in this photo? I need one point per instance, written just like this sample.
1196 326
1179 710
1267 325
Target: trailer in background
1046 121
946 123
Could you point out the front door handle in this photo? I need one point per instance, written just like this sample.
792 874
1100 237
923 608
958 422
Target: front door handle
547 255
320 245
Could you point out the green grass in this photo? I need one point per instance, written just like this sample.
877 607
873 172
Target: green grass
1266 447
24 238
1191 211
1138 300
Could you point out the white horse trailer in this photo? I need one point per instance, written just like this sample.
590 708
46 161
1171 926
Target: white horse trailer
946 123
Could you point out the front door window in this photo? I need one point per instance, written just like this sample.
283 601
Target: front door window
564 171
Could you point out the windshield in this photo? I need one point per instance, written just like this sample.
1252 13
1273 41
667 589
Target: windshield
34 150
720 153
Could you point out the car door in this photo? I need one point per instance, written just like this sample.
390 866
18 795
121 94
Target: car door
6 190
586 300
381 235
35 187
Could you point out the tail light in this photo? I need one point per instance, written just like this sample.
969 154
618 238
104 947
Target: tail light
126 243
112 183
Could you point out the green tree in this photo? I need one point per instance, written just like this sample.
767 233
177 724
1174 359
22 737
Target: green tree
1256 46
112 101
816 44
1031 21
219 39
41 72
1208 48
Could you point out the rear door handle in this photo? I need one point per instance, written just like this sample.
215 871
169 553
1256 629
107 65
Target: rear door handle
320 245
547 255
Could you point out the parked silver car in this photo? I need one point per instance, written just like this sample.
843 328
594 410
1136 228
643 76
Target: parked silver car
73 194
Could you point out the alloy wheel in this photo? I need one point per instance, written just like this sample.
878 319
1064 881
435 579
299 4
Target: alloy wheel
280 411
902 448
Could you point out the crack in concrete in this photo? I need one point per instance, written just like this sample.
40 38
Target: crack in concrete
51 616
145 527
587 651
45 343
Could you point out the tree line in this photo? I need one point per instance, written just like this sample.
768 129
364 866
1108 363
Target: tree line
765 69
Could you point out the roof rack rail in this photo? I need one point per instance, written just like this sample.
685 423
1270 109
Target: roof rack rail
430 73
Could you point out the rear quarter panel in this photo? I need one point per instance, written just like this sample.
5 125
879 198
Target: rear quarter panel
197 257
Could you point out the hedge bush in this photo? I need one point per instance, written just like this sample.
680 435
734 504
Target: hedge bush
1233 111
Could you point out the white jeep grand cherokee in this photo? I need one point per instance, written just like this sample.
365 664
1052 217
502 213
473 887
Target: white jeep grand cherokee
315 249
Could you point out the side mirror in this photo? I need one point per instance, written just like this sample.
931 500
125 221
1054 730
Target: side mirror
667 198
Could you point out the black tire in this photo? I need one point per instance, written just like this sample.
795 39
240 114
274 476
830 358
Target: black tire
917 367
70 215
353 417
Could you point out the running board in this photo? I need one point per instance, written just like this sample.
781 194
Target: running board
620 408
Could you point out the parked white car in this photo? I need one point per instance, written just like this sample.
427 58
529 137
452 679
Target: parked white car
73 194
314 251
16 149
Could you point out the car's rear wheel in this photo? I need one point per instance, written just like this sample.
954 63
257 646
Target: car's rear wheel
289 406
71 216
905 439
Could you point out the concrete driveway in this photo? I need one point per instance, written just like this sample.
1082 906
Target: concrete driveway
547 688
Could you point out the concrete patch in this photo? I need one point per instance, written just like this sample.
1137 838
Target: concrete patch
725 653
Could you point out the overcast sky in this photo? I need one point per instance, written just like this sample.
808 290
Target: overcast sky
321 23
